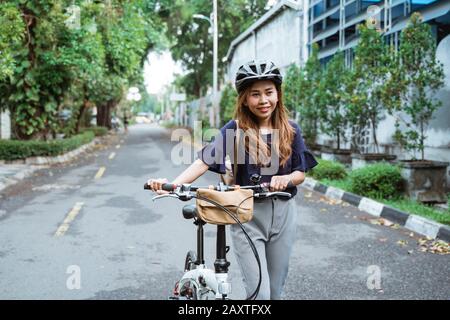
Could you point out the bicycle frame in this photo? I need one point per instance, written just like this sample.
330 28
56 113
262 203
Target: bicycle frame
202 279
198 283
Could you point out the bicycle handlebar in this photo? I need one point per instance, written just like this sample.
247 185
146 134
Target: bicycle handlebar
261 190
172 187
185 192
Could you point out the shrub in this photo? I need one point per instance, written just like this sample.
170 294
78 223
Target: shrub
227 103
328 170
379 180
448 202
17 149
169 124
98 131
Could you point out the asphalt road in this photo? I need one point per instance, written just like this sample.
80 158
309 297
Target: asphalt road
81 232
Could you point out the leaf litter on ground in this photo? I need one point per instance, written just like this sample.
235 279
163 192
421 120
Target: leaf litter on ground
435 246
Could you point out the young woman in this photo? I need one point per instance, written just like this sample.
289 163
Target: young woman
261 115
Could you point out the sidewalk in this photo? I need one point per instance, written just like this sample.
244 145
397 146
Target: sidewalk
15 172
10 174
409 221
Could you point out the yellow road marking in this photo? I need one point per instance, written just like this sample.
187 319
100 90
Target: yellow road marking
100 172
70 217
112 155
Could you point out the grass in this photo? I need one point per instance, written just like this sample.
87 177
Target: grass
343 184
403 204
419 209
168 124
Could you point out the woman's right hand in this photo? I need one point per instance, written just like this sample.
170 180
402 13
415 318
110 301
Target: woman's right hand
156 185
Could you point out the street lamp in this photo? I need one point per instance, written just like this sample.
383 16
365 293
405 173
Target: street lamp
201 16
213 22
133 95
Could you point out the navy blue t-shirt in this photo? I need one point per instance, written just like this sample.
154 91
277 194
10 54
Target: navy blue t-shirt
214 154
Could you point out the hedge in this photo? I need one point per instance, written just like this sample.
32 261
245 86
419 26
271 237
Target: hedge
381 180
328 170
98 131
18 149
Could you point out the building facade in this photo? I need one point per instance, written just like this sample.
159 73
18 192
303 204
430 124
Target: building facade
286 33
332 23
332 26
277 36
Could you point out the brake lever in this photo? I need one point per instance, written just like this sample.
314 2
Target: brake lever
164 196
280 193
269 194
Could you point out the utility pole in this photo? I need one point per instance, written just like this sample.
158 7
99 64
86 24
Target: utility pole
214 25
215 50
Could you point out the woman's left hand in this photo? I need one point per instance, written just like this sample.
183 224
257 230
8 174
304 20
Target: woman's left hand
279 183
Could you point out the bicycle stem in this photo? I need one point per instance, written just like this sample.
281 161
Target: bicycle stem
221 264
200 247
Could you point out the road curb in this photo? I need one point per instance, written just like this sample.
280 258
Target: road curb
37 163
409 221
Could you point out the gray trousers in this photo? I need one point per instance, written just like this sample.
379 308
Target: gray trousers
273 231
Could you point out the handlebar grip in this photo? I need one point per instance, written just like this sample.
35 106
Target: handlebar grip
267 184
165 186
168 186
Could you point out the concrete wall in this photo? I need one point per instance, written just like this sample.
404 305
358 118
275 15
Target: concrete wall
437 143
5 125
279 40
282 40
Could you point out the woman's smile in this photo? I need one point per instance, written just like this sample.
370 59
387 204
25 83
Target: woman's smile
263 99
264 109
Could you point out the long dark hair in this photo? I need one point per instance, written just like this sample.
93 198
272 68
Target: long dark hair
279 120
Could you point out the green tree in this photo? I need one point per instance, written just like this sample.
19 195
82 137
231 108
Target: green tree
86 55
192 42
421 75
41 75
311 92
62 66
370 73
148 102
227 103
125 37
333 113
291 87
11 35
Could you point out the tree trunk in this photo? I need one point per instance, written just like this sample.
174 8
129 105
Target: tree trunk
101 115
339 139
84 106
197 90
104 114
422 147
30 23
374 135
